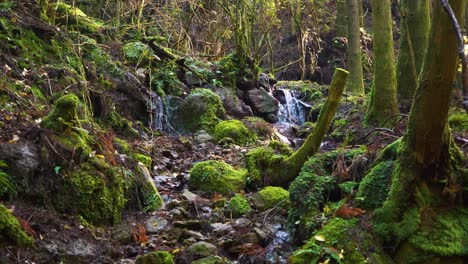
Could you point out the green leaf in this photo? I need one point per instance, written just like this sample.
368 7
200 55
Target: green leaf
57 169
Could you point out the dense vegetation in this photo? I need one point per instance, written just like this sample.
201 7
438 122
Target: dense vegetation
249 131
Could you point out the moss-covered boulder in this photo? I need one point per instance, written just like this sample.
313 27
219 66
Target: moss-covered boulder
235 130
137 52
238 206
333 244
270 197
202 109
93 190
210 260
373 189
73 17
63 119
214 176
200 250
258 126
11 233
158 257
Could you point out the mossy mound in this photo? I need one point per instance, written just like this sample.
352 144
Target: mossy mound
235 130
373 189
238 206
202 109
64 120
459 121
337 242
443 239
94 190
258 126
73 17
280 148
214 176
257 162
270 197
11 233
210 260
137 52
158 257
314 188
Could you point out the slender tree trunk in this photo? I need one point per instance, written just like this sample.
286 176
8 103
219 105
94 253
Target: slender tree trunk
340 22
413 43
383 98
355 83
427 172
361 14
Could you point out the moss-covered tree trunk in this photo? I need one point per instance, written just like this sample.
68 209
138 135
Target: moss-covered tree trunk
355 83
284 170
423 214
383 98
340 22
361 14
413 43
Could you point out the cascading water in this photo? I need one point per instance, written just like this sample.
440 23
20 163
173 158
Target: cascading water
159 114
292 111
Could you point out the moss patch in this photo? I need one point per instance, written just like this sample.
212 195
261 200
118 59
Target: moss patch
146 160
11 233
257 161
201 110
158 257
374 187
235 130
238 206
137 52
459 121
216 177
270 197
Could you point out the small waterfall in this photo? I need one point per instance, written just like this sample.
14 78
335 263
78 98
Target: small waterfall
292 110
157 112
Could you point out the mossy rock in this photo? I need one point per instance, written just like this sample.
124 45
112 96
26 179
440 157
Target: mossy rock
146 160
257 162
280 148
270 197
235 130
200 250
373 189
137 52
258 126
459 121
313 189
238 206
11 233
202 109
335 234
94 190
210 260
64 120
158 257
73 17
214 176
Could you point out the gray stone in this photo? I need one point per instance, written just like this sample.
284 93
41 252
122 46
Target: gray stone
262 103
22 158
122 232
221 228
202 137
155 224
232 104
200 250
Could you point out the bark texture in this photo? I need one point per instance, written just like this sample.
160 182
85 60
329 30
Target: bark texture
383 98
340 22
414 26
355 83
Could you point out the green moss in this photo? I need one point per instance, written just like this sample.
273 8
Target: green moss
280 147
73 17
158 257
137 52
374 188
235 130
94 190
271 197
238 206
459 121
146 160
336 234
64 120
122 145
257 162
11 233
216 177
210 260
201 110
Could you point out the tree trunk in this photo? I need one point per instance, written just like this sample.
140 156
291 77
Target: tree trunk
340 22
361 14
428 176
355 83
383 99
413 43
285 170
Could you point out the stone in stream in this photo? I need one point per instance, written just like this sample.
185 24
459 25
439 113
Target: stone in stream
200 250
263 104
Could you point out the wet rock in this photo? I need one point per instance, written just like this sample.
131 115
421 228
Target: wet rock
261 235
190 224
202 136
158 257
200 250
262 103
155 224
210 260
194 234
220 228
125 261
22 158
233 105
249 238
122 232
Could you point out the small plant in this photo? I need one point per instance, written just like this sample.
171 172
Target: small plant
7 188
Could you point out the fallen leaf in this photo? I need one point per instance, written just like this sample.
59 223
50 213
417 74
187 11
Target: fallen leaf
319 238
